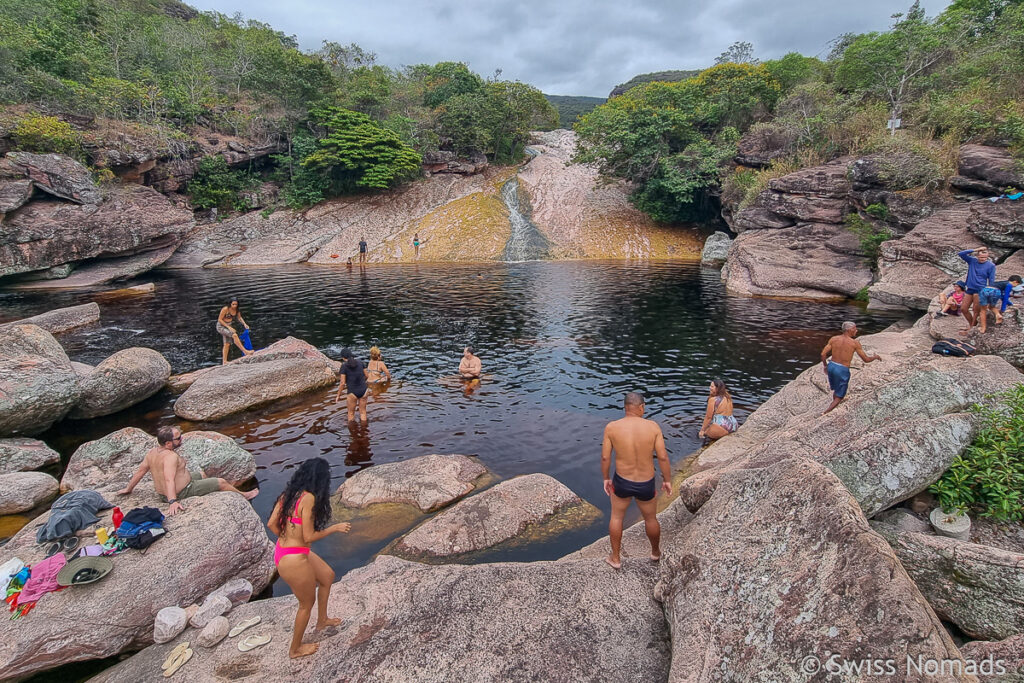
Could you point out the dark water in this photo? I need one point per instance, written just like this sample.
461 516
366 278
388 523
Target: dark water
561 341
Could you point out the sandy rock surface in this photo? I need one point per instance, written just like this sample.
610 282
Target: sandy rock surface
428 482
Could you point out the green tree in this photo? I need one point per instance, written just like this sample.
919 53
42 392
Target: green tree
353 152
445 80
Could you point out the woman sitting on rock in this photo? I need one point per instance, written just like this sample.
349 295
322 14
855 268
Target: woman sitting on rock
952 301
307 500
376 371
718 419
226 327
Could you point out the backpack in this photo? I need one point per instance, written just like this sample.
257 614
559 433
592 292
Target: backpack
145 539
953 347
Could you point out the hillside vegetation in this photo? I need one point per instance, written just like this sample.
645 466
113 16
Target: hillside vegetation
571 107
950 79
663 76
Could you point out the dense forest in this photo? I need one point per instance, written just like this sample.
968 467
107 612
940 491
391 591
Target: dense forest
572 107
343 121
947 80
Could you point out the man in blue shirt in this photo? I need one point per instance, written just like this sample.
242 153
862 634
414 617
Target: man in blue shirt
981 291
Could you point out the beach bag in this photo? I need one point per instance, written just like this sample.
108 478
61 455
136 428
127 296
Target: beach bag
243 337
145 539
953 347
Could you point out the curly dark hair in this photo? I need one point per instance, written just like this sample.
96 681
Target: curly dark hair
313 476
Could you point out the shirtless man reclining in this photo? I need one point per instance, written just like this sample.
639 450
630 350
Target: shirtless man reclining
634 440
170 478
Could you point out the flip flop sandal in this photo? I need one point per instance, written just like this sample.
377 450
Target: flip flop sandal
54 548
71 543
174 654
178 663
242 625
253 642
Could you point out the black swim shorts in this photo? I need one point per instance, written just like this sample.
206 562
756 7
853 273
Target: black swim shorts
626 488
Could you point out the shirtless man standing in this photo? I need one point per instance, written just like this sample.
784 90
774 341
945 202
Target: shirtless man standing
634 439
470 366
170 475
842 347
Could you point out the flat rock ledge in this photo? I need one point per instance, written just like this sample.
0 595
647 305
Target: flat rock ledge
217 538
532 505
107 464
285 368
20 454
780 566
405 621
64 319
428 482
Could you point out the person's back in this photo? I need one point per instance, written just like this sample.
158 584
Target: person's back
843 348
633 439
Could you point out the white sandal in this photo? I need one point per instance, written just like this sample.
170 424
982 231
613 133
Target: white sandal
242 625
253 642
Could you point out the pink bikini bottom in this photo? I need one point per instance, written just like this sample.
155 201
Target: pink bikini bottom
280 551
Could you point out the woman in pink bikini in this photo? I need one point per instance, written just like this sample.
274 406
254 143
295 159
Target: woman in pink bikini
307 500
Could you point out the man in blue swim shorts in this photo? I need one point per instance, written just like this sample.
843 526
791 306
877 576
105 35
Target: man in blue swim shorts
633 439
842 347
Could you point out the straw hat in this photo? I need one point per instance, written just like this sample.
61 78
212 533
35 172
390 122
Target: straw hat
83 570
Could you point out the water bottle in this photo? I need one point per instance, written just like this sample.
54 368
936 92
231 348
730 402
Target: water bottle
117 517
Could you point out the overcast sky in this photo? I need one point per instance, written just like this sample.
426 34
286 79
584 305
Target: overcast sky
569 47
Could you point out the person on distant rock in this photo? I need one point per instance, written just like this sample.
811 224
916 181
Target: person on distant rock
171 479
353 378
362 250
416 243
633 439
718 419
1006 291
226 328
376 371
348 264
307 500
470 367
981 273
952 299
842 347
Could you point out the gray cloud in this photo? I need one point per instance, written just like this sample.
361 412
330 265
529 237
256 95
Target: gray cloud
570 47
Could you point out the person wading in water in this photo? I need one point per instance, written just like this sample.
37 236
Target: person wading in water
842 347
633 439
353 377
226 328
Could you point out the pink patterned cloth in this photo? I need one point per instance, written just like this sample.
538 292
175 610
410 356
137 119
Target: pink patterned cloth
43 579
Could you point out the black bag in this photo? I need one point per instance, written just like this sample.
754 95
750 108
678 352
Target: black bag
953 347
145 539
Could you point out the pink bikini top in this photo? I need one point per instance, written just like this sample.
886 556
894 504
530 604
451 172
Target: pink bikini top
293 519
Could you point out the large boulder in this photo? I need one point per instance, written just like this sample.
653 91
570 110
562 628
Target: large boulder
24 455
218 537
976 587
56 174
803 208
23 491
132 219
38 386
64 319
987 170
779 572
520 506
757 218
829 180
806 261
903 421
1006 657
428 482
283 369
999 223
716 249
122 380
107 464
13 195
404 621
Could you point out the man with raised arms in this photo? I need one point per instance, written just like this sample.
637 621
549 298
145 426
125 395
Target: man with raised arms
842 347
633 440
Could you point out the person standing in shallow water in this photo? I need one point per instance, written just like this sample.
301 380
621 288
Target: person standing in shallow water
226 328
300 518
842 347
416 244
362 250
633 439
718 419
353 378
470 366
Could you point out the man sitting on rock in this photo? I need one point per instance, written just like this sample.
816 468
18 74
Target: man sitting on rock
170 477
633 439
842 347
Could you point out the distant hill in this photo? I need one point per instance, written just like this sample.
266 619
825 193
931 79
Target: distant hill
571 107
670 76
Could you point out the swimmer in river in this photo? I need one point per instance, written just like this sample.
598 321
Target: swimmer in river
470 366
633 439
353 377
376 371
842 347
226 328
718 420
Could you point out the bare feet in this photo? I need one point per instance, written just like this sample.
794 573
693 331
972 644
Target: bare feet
655 558
249 495
613 565
248 352
327 623
304 650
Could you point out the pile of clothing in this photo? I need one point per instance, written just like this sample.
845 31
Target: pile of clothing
24 587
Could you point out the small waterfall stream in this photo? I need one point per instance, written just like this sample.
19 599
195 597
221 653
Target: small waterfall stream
526 242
